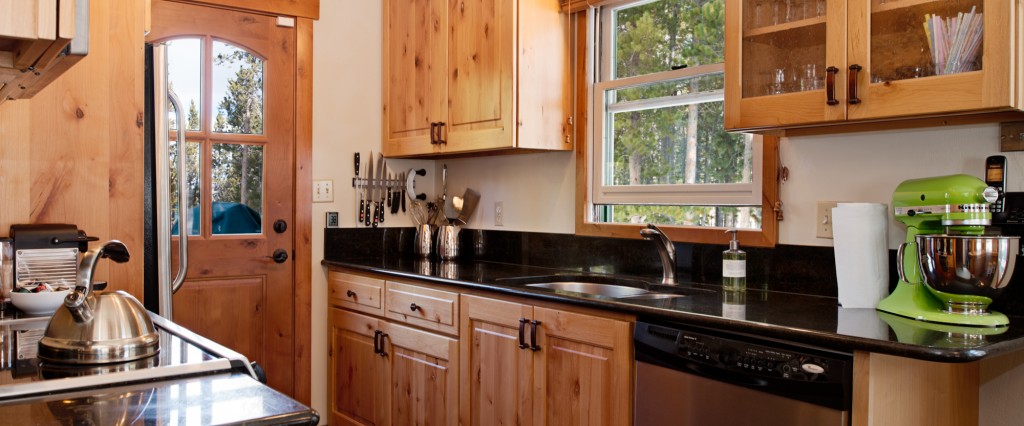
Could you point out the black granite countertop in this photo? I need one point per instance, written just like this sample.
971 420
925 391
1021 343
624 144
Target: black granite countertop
202 400
809 320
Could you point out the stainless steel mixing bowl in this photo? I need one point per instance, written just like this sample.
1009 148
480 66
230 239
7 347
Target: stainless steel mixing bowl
966 272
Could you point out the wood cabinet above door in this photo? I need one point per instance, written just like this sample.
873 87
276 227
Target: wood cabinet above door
469 77
806 63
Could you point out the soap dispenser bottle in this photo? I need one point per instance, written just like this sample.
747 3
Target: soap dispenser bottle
734 266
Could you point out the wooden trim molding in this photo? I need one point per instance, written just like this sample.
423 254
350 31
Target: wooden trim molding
303 208
298 8
768 236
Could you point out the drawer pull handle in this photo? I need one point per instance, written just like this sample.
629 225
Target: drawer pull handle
522 333
376 341
383 336
414 307
533 335
350 293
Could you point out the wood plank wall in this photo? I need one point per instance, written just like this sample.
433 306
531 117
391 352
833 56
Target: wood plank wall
73 153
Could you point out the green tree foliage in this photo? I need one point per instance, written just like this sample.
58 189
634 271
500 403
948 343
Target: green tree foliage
237 169
682 144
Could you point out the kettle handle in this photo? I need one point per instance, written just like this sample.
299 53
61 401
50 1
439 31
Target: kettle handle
75 302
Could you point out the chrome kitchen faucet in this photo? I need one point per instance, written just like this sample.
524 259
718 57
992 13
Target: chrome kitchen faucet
666 250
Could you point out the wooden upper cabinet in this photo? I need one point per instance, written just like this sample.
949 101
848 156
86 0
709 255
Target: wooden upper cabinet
34 40
829 62
473 76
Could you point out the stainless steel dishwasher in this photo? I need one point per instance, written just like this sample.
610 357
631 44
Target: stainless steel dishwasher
694 376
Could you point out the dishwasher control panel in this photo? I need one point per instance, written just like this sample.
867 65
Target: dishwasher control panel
742 354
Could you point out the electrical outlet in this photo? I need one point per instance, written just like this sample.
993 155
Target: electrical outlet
824 218
332 220
323 191
499 213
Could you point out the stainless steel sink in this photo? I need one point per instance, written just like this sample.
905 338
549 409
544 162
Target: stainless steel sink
607 290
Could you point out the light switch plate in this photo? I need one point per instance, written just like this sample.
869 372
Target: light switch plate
823 218
323 191
332 220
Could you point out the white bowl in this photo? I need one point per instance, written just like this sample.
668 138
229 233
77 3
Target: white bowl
42 303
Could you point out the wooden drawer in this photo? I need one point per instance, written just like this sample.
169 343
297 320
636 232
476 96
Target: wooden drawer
356 292
423 307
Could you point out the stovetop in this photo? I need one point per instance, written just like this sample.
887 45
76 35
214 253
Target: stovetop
182 353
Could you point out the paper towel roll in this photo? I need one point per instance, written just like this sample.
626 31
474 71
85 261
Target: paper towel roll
859 232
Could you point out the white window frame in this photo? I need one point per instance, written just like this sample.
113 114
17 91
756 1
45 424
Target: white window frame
600 72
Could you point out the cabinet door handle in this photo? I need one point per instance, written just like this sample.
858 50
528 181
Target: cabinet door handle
440 133
830 85
414 307
854 72
376 341
382 352
522 333
533 335
350 293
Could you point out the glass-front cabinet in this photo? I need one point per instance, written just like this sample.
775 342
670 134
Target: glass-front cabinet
794 63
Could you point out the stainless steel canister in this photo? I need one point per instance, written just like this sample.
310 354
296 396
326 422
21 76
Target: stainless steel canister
448 242
424 243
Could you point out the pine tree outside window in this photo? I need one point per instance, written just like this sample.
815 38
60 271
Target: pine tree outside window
659 151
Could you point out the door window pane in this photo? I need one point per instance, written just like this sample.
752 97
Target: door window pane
184 77
237 90
192 172
237 179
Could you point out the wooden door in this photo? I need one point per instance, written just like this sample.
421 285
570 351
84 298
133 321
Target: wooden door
424 376
235 73
583 370
496 372
899 77
481 75
357 382
759 49
415 64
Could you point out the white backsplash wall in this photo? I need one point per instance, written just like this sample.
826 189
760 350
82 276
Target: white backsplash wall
866 167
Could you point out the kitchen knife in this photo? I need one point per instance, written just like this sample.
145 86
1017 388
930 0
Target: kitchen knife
389 189
402 178
378 190
369 188
362 201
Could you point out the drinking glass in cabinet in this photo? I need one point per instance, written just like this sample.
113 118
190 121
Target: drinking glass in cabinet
812 77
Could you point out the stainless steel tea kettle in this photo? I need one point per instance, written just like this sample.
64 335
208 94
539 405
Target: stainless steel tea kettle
99 327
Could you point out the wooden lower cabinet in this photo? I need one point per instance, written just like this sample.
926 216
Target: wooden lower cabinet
383 373
575 369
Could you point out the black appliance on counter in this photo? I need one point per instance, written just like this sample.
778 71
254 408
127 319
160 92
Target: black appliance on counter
191 380
687 375
47 252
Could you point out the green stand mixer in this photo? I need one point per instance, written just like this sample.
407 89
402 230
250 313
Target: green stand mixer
954 270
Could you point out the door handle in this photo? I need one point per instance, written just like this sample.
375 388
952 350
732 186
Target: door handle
383 336
280 256
852 90
376 342
522 333
830 85
280 226
533 335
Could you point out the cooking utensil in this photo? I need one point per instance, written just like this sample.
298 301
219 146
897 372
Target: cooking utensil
378 190
369 192
450 213
470 199
99 327
402 178
362 200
